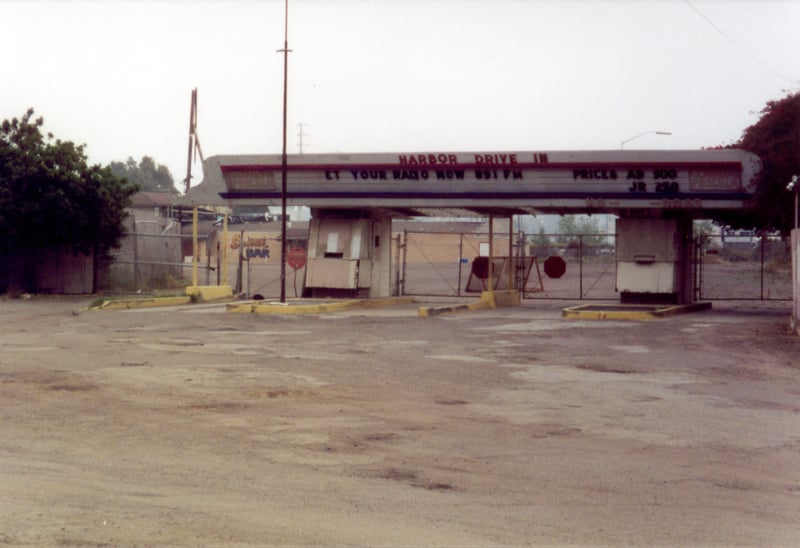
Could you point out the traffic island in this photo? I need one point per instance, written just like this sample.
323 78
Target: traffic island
631 311
311 306
128 303
489 299
192 294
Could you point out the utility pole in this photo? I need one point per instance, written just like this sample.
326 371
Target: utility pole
284 160
194 140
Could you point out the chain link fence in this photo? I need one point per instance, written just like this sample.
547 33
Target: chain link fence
145 261
150 262
444 264
757 268
440 264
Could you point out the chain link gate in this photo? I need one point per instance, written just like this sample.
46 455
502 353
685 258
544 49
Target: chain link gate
432 263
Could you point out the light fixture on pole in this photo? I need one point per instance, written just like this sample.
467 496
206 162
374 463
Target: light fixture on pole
794 187
654 132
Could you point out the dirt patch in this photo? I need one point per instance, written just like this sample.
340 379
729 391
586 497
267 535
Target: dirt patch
412 479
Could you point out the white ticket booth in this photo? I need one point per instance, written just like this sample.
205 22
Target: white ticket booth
349 254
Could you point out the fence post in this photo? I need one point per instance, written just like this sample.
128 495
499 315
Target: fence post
580 264
460 259
218 263
195 250
491 253
135 257
405 261
208 262
397 266
510 252
520 263
225 249
763 254
239 287
697 257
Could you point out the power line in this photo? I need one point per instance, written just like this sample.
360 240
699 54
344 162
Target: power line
738 46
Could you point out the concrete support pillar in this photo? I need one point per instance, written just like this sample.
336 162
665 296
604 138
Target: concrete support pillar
684 260
381 257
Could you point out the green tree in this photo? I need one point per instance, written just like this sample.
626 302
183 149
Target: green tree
149 175
51 198
702 227
572 226
541 239
775 138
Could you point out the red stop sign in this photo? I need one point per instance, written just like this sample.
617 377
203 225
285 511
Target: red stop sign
554 266
296 258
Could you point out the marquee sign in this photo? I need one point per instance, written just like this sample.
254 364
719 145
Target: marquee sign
525 181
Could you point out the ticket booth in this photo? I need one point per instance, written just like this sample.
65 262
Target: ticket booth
349 254
654 260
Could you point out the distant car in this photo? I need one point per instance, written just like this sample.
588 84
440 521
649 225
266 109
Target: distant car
741 239
232 220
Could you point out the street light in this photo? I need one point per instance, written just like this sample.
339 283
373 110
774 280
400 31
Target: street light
794 186
622 144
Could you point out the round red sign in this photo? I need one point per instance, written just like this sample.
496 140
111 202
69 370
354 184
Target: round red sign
555 266
296 258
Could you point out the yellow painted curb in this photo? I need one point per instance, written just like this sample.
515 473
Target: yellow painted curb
126 304
314 307
631 311
502 297
210 292
489 299
432 312
241 308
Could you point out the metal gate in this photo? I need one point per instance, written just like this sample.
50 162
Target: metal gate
753 268
440 263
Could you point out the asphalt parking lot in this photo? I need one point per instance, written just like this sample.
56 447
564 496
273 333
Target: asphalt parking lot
193 426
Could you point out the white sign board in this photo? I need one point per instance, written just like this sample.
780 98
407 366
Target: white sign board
526 181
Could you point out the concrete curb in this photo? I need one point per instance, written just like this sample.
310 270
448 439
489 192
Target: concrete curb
631 311
210 293
143 302
489 299
432 312
313 307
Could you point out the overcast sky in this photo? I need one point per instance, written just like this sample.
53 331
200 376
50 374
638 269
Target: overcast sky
395 75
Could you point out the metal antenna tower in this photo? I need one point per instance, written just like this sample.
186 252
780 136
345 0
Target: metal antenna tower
300 135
